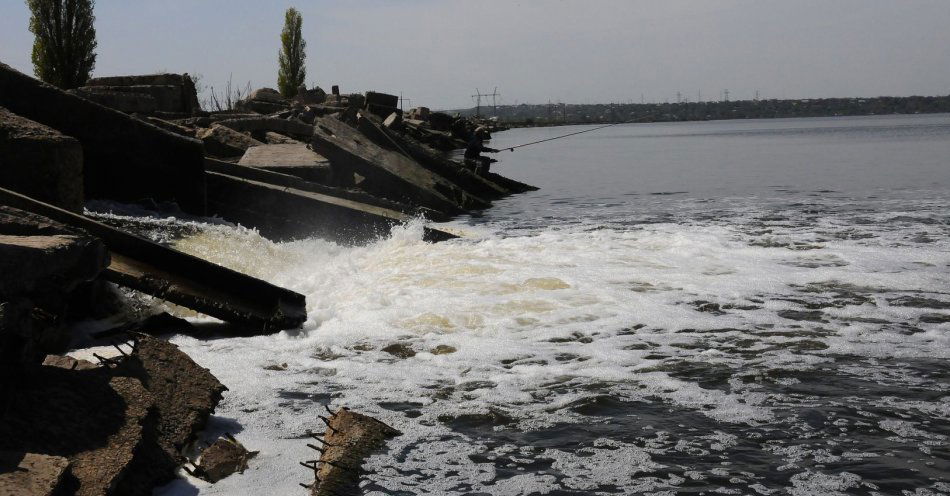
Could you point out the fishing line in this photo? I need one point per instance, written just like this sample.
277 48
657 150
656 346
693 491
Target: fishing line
512 148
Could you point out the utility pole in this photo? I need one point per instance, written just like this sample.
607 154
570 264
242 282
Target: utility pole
401 99
725 94
478 102
494 103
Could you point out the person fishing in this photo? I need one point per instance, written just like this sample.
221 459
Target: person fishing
474 149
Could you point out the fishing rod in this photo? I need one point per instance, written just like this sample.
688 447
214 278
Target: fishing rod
512 148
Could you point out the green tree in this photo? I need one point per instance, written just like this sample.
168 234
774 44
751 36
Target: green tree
64 48
292 71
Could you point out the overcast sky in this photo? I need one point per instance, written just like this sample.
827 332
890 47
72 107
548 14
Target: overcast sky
437 52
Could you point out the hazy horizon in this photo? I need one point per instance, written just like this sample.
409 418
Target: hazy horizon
437 53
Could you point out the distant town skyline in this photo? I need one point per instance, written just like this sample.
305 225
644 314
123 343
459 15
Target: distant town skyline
436 53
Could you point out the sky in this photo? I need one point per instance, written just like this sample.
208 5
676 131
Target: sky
437 53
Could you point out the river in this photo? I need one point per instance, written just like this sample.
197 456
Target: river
732 307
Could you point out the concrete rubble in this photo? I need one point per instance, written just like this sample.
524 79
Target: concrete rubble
224 457
349 439
386 173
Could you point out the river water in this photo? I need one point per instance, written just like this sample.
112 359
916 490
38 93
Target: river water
733 307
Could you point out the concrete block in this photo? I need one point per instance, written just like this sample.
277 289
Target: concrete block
41 162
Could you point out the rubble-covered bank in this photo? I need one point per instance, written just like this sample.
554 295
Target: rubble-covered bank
119 411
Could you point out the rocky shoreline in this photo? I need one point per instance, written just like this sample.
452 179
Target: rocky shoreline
118 412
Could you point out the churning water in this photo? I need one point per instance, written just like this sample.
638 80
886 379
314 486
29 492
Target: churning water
748 307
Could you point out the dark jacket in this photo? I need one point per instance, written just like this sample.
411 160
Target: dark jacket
475 148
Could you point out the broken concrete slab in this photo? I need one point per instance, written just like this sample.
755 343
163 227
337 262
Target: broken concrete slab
182 96
350 438
294 159
289 181
41 162
30 474
124 158
184 395
283 213
222 141
140 264
387 173
99 435
429 158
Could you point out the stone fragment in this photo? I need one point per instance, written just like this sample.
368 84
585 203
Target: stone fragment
419 113
400 350
222 141
41 162
30 474
394 121
124 158
443 349
223 458
311 96
266 95
350 438
68 363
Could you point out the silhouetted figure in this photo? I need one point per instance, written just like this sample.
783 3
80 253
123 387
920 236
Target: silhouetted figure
473 153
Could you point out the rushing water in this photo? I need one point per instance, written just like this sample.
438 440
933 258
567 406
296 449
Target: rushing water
747 307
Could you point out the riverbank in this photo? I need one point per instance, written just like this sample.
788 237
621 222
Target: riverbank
85 292
559 114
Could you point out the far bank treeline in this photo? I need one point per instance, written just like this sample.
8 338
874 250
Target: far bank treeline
559 113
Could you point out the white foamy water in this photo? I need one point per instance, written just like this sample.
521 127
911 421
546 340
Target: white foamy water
787 344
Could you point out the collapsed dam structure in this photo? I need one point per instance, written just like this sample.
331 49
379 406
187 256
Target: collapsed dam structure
347 168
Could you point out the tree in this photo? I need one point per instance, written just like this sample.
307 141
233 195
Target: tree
292 71
64 48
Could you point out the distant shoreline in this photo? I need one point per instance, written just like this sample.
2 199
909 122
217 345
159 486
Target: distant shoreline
545 115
